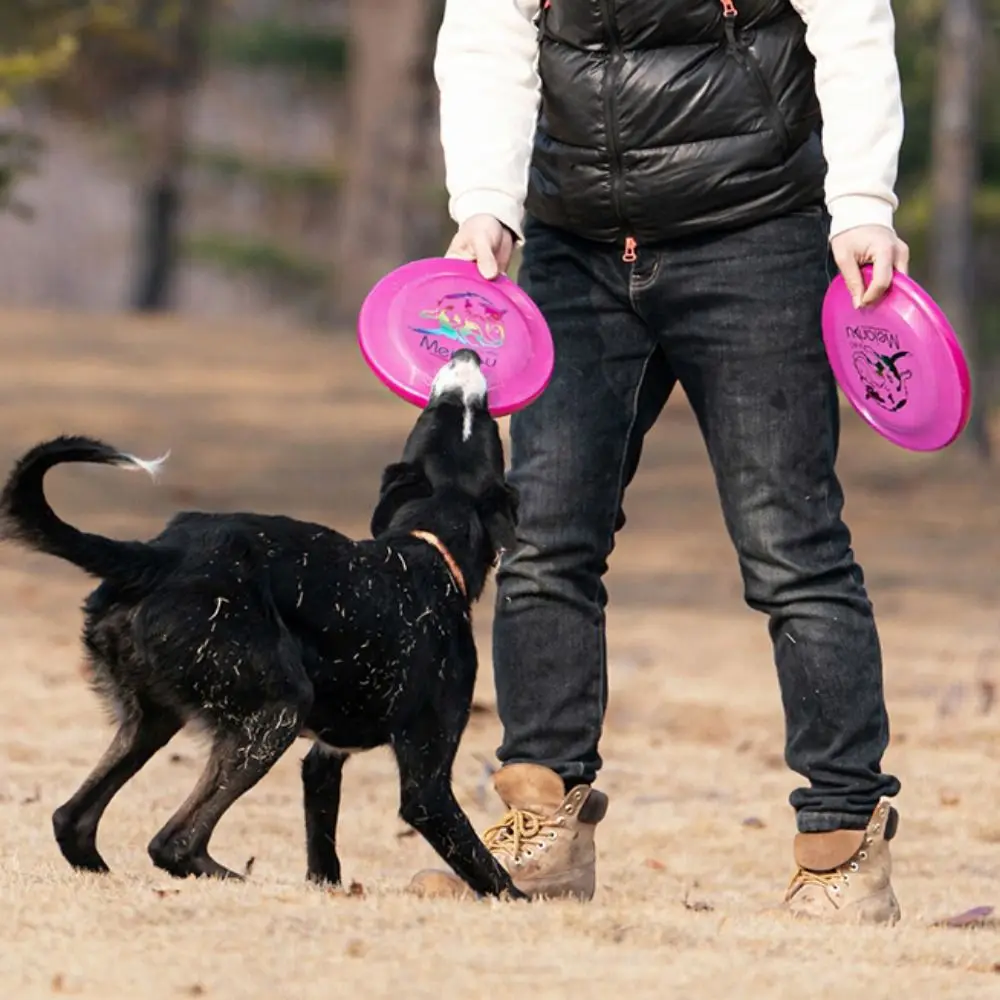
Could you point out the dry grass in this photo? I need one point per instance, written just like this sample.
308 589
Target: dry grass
285 422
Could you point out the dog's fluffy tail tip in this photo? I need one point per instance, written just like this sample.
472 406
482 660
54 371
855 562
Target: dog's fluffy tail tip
153 467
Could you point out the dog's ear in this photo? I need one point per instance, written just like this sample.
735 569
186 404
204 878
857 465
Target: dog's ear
498 510
401 483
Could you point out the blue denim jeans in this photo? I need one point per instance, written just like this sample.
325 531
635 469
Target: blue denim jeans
735 319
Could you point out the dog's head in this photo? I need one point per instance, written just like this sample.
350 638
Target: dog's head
451 478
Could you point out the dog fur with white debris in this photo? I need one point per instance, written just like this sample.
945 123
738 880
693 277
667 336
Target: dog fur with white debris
261 629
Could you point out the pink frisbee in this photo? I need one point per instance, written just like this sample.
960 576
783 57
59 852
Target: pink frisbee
899 364
415 317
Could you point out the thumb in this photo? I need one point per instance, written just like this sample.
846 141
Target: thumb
852 278
485 257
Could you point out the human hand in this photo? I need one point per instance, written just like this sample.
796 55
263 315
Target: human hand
875 245
485 240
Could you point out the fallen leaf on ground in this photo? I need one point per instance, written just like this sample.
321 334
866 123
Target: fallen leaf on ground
987 696
163 893
977 915
61 985
656 865
355 889
754 823
949 798
697 905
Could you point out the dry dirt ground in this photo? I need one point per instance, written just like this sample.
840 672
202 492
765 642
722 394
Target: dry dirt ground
697 839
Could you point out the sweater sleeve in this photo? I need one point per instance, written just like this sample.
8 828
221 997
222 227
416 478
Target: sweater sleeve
857 83
485 66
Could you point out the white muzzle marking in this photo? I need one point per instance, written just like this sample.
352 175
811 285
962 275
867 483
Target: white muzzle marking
465 376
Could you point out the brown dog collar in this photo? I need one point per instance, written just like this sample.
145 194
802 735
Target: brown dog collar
426 536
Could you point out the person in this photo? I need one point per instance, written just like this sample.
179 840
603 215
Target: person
681 173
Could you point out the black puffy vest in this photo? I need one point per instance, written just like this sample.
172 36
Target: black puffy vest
664 118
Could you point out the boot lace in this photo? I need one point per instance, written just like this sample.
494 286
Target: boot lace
827 880
518 832
833 880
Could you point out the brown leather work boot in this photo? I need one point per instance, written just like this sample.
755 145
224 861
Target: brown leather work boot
545 841
845 875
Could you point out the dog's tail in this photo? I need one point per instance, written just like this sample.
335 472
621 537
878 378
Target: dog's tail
27 518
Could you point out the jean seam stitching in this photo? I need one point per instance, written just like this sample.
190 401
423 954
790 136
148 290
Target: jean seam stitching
637 287
619 499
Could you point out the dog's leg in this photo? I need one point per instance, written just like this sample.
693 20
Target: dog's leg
425 755
238 761
321 778
75 823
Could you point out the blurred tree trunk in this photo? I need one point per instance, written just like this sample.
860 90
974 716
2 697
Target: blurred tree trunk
391 53
164 117
954 179
426 235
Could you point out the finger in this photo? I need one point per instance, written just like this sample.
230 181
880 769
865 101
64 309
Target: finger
484 256
902 257
852 278
881 277
460 249
505 252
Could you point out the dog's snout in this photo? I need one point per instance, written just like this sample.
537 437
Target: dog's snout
467 354
463 376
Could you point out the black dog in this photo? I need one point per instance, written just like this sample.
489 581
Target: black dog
262 629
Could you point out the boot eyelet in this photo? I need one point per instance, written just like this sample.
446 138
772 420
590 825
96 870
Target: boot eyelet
853 866
553 834
567 808
862 856
835 888
527 854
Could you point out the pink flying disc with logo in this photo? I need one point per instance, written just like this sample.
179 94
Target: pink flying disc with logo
418 315
899 363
